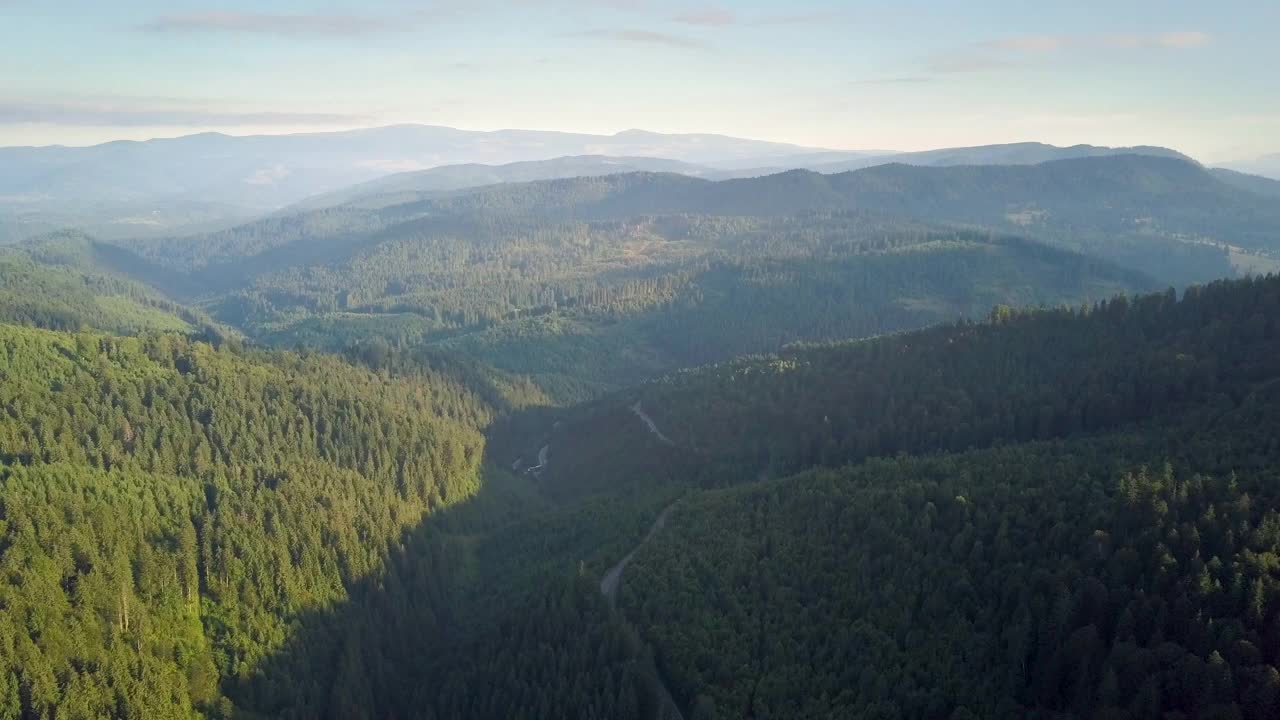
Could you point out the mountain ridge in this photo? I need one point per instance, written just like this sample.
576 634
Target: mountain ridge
206 181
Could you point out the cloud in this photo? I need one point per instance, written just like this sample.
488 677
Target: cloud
722 17
966 62
496 65
1029 43
125 112
268 175
716 17
1019 50
1117 41
798 18
590 4
643 37
901 80
1170 40
266 23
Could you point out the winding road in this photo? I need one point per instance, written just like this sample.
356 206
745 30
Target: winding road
613 579
609 587
653 427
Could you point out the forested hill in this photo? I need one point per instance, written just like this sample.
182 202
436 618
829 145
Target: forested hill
1078 519
545 278
1023 153
1111 192
168 509
420 184
1072 180
585 307
1164 216
67 281
1021 376
1252 183
615 303
402 187
188 529
1101 193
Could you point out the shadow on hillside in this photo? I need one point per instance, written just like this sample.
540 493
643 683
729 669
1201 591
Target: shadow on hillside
463 574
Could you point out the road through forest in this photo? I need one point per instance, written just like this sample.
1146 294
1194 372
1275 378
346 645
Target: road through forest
612 579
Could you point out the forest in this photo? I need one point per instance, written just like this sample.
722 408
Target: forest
654 270
902 442
192 525
592 284
1096 540
584 308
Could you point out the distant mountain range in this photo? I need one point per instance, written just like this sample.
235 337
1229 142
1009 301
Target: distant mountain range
527 275
128 188
1114 192
1168 217
1026 153
1267 166
207 182
420 184
1253 183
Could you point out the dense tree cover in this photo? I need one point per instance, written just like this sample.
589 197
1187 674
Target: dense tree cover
1064 578
170 508
1021 376
610 303
50 285
189 530
194 529
1021 582
501 392
1112 205
742 591
739 307
489 609
255 238
570 639
539 277
1105 193
198 530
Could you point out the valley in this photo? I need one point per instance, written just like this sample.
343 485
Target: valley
902 441
639 360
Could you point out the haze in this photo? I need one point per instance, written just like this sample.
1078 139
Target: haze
846 75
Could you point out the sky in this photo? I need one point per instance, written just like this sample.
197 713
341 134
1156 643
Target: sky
845 74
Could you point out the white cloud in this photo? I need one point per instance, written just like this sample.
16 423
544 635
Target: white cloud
723 17
218 21
643 37
1019 50
1113 41
142 112
710 16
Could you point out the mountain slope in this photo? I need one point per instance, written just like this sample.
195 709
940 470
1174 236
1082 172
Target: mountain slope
541 277
210 181
612 302
1267 166
67 281
1163 215
1253 183
126 188
1028 153
172 509
1142 182
409 186
1105 552
188 529
1079 202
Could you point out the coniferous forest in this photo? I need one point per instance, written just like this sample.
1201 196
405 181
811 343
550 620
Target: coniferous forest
897 443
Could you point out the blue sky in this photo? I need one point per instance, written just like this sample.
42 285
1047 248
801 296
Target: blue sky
1201 77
